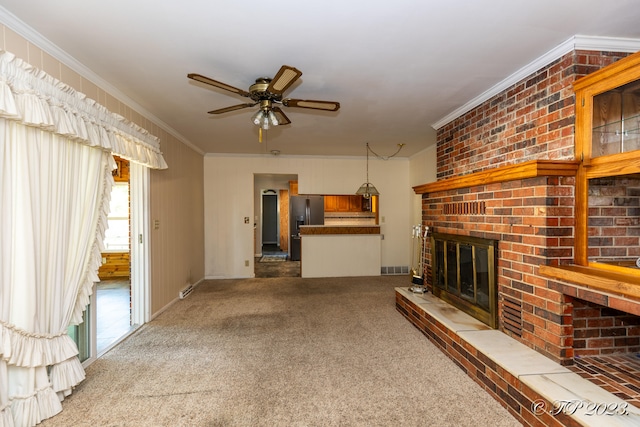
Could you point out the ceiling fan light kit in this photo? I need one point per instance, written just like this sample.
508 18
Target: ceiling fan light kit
267 92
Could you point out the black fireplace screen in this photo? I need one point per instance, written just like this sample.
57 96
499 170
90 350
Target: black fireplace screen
464 274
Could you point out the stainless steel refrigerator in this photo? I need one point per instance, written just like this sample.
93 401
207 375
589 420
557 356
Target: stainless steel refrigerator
303 210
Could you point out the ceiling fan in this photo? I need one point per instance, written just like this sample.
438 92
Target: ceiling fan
268 94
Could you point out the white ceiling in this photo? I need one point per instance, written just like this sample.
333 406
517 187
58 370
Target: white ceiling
397 67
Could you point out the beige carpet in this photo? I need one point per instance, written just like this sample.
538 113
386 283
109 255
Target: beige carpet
280 352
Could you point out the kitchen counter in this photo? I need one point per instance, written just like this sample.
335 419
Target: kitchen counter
340 250
339 229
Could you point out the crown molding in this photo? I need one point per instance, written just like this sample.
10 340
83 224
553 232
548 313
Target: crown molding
578 42
37 39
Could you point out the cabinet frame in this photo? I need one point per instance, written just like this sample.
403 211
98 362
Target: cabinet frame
622 72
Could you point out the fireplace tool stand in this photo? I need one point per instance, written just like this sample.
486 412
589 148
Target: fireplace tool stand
419 240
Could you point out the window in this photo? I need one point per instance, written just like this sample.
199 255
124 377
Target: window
116 237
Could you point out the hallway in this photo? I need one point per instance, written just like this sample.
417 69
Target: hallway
275 263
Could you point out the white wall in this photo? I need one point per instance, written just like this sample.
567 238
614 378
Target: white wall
423 170
229 197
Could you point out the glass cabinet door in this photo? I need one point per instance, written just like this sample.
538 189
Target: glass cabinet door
616 121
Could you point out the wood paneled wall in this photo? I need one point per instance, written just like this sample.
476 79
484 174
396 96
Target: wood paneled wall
115 264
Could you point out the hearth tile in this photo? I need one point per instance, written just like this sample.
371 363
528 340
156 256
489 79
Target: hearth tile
635 388
572 387
452 318
513 356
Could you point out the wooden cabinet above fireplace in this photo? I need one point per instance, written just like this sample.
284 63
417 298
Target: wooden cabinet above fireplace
607 144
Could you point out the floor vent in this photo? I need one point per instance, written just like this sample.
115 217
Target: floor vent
512 315
394 270
186 291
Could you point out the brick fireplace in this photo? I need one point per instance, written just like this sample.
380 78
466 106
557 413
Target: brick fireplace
506 172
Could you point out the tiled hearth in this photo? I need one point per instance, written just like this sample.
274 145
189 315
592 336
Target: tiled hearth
618 374
518 377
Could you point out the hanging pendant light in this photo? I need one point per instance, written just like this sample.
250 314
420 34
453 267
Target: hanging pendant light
367 189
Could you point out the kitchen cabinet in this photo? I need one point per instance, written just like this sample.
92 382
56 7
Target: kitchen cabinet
356 203
293 188
343 203
331 203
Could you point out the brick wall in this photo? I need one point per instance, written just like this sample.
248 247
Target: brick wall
614 218
599 330
533 119
533 218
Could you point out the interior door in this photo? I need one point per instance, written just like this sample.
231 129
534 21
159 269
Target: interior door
270 219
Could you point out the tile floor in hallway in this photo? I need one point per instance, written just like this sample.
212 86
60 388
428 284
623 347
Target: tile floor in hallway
113 316
285 268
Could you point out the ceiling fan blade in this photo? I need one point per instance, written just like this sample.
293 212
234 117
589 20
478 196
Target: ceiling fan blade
314 105
207 80
285 77
282 118
232 108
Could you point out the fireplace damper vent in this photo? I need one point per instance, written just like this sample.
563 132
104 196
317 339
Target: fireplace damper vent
512 315
464 274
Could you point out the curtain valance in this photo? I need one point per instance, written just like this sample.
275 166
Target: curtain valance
35 98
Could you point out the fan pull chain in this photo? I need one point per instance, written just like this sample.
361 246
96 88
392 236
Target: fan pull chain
260 135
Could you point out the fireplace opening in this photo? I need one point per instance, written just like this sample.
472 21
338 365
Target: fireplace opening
606 348
599 330
464 274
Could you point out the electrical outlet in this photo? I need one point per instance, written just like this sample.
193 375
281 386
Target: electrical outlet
246 263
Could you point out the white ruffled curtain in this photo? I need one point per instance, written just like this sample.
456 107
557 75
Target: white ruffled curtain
55 181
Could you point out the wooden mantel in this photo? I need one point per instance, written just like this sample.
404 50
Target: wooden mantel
530 169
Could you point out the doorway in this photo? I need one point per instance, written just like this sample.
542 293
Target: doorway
272 257
113 292
128 301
